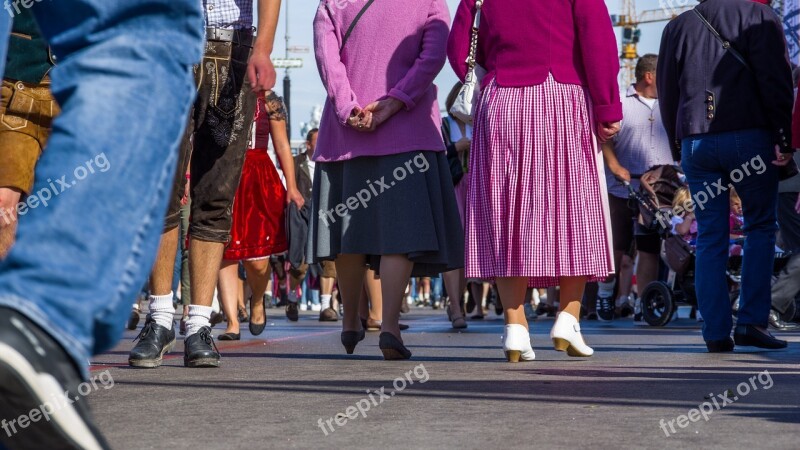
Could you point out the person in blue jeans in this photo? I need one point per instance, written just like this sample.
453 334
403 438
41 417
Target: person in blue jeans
125 84
727 109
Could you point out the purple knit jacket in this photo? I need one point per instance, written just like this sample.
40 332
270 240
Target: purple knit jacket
396 50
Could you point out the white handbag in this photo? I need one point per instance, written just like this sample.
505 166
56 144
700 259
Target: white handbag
464 107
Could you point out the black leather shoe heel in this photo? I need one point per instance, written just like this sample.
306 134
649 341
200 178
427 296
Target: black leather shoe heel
723 346
350 339
392 348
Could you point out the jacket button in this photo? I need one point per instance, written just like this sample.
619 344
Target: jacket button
710 115
710 98
710 107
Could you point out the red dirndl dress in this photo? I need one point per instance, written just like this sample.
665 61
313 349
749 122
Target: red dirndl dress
259 209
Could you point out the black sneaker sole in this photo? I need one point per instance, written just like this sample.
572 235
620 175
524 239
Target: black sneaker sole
202 362
23 391
152 363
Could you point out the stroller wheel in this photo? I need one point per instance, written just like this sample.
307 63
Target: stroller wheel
657 304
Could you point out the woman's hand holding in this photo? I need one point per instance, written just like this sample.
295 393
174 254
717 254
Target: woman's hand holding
361 120
293 195
383 110
607 130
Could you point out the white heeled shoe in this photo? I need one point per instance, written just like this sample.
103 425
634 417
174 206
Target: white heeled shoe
566 336
517 344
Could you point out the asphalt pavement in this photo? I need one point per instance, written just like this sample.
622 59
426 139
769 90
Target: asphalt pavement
294 387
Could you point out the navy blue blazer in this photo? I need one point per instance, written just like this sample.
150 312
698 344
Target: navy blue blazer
703 88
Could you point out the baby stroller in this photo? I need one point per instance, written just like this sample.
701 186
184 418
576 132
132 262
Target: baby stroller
660 299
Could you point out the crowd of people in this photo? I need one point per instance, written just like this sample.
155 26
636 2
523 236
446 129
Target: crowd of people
525 205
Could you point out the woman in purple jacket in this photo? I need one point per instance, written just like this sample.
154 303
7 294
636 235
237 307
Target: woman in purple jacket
383 196
537 209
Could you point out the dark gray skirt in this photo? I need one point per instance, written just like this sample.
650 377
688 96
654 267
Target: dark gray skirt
388 205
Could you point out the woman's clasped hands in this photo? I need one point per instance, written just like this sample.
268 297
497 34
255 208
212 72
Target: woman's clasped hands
369 118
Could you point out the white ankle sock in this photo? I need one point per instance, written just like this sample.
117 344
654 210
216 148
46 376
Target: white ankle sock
325 301
199 317
162 310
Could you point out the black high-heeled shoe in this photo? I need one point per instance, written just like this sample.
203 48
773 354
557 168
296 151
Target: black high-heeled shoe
258 328
350 339
392 348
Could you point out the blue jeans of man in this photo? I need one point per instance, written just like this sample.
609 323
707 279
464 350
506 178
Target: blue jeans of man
125 85
712 163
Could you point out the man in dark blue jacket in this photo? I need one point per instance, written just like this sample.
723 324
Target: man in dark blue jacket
726 98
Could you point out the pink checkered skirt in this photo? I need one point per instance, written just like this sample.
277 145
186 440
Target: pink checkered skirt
537 205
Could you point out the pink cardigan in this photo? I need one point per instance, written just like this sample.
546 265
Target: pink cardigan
396 50
522 41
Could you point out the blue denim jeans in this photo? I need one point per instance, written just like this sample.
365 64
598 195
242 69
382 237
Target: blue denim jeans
712 162
125 85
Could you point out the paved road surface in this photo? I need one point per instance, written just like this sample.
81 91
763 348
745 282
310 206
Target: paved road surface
280 390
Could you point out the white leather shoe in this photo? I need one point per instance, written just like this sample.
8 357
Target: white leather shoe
517 344
566 335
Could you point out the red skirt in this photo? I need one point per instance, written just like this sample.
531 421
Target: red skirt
259 211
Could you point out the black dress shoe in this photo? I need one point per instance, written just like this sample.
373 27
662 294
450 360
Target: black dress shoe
748 335
36 372
351 338
229 337
392 348
200 350
723 346
777 323
292 311
155 341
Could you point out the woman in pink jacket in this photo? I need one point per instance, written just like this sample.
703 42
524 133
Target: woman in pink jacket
382 195
537 213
